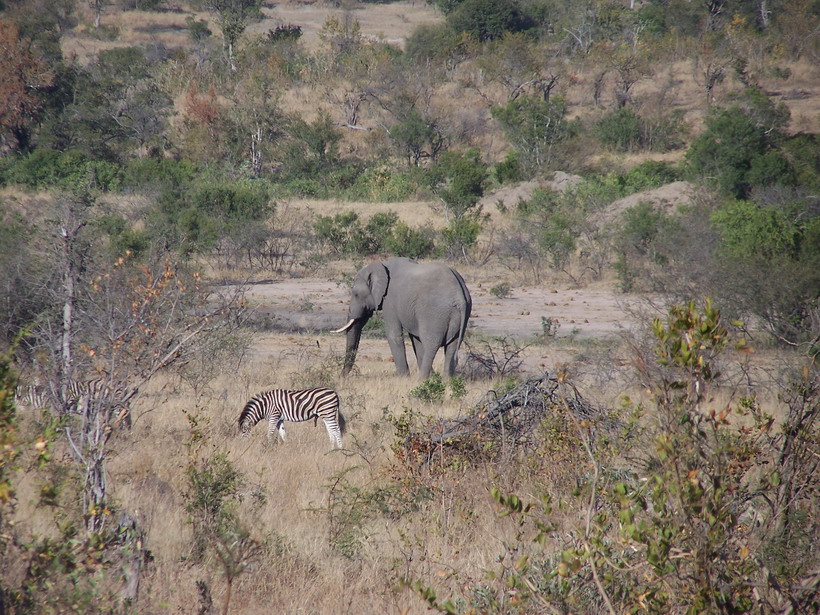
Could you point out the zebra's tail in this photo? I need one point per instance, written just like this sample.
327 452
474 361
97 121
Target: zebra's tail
342 422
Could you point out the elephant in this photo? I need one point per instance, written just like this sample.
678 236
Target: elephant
428 300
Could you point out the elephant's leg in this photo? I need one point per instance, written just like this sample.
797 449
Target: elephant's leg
426 361
451 357
418 350
396 342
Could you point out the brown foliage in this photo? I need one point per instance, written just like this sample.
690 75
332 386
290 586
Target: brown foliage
22 75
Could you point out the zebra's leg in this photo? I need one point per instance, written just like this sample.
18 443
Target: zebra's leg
282 431
333 432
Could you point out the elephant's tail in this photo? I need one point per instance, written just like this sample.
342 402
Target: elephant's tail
468 307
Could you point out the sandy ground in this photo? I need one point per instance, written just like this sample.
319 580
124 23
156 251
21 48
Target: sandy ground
298 317
311 305
386 23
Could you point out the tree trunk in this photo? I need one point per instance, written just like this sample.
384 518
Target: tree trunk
69 233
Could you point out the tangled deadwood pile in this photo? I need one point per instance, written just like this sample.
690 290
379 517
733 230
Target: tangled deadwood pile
510 421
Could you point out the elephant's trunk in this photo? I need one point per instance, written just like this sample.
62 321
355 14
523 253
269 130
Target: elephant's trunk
354 334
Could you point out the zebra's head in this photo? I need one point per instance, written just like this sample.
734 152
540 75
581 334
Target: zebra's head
251 415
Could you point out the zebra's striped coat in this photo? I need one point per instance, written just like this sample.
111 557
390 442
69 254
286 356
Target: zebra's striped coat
78 394
280 405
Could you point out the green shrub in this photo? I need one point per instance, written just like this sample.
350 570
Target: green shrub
487 20
459 180
344 234
142 173
803 151
122 238
38 169
750 231
242 200
621 130
303 186
649 174
509 170
738 148
410 242
431 390
458 388
535 127
212 493
501 291
461 234
430 42
337 232
70 170
284 32
374 235
771 168
383 184
416 137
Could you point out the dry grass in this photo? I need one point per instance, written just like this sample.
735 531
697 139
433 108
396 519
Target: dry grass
295 478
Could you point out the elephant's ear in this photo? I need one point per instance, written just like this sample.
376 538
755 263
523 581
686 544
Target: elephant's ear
378 280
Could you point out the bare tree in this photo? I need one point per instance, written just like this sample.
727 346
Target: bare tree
113 328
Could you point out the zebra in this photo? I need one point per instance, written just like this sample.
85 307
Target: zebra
31 396
81 393
280 405
78 395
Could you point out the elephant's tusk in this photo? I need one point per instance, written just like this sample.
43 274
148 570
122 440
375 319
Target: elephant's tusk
346 327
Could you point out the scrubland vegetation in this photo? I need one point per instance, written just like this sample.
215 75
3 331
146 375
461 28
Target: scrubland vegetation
156 158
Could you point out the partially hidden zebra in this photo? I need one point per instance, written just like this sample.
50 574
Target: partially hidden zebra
280 405
79 393
31 396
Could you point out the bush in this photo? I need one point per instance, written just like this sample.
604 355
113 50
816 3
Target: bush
509 170
772 168
144 173
244 200
285 32
383 184
459 180
534 127
431 390
344 234
649 174
412 243
737 150
749 231
636 242
460 235
621 130
70 170
487 20
430 42
803 151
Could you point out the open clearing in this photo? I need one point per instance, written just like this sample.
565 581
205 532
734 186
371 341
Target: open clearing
311 307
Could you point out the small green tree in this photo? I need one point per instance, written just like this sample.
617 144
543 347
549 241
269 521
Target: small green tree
738 149
459 180
417 138
233 17
534 127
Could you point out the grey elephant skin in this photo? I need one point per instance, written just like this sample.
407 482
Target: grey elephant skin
429 301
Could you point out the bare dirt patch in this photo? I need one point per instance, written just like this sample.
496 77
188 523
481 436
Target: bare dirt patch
387 23
298 316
